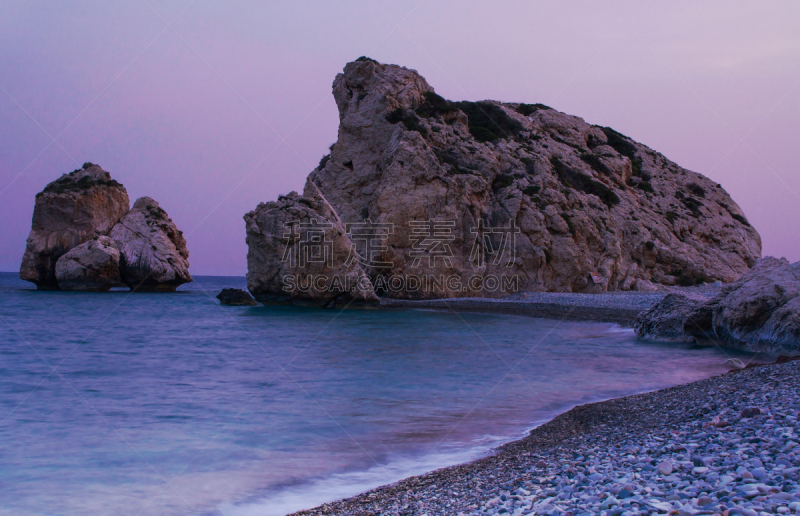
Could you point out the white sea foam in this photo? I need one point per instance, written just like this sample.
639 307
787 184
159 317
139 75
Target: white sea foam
343 485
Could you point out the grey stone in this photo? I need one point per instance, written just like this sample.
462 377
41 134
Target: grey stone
236 297
665 321
758 312
153 253
751 412
91 266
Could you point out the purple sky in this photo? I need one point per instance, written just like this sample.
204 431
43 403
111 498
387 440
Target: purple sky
232 105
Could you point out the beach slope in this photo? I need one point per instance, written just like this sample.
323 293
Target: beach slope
727 443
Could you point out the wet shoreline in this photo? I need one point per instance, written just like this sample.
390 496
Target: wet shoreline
614 307
580 461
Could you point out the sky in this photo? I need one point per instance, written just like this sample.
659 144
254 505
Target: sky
212 107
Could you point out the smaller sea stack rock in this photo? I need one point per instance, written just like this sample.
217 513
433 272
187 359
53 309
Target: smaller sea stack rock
153 254
236 297
70 211
91 266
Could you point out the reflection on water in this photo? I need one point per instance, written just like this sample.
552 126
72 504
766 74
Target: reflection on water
171 404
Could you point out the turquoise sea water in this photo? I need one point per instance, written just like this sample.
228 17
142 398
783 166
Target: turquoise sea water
119 403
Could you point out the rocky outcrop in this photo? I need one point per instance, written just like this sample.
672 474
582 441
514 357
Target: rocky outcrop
299 252
153 254
665 320
759 312
236 297
71 210
91 266
480 191
67 247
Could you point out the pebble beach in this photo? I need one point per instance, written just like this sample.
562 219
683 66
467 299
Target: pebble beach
727 445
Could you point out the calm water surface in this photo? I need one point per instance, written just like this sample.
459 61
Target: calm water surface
123 403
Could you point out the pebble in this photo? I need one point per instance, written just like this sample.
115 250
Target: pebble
680 464
751 412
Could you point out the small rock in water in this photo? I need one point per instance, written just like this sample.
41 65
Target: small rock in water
734 363
236 297
665 468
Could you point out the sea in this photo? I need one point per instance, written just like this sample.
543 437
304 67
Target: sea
170 404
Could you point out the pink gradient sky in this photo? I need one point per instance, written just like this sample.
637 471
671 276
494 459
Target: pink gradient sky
231 106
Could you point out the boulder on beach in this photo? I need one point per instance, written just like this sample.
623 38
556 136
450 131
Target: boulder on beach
298 252
153 253
71 210
514 192
91 266
759 312
665 320
236 297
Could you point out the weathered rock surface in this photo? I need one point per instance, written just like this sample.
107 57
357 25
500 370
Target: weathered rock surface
68 212
236 297
665 320
490 189
759 312
298 252
153 254
91 266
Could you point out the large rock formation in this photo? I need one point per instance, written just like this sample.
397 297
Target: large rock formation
153 254
759 312
298 251
91 266
70 211
477 193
